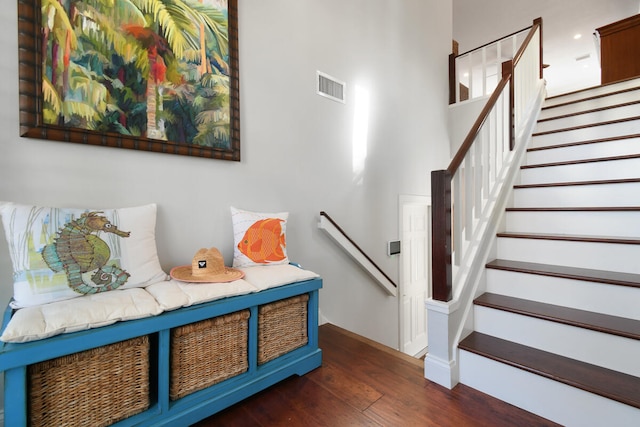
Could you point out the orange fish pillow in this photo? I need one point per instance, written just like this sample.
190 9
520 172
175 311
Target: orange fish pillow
259 238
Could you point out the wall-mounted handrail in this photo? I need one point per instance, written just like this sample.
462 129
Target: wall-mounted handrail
474 172
340 236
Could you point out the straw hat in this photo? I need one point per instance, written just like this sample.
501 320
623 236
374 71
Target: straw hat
207 266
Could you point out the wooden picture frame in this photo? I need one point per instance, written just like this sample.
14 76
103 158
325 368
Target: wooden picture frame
100 93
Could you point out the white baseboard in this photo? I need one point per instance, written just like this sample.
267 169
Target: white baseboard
321 318
440 371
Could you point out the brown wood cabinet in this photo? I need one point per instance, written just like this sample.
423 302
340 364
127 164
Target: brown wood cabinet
620 49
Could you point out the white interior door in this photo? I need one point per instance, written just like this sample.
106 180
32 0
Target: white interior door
415 274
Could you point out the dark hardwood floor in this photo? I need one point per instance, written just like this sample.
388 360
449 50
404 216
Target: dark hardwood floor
362 383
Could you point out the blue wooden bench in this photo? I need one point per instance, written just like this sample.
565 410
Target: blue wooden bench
15 358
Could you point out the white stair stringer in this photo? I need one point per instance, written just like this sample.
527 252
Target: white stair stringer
548 398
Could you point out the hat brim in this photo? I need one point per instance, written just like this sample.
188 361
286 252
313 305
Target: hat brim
183 273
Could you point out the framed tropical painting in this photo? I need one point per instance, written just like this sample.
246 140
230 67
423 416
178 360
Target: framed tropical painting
154 75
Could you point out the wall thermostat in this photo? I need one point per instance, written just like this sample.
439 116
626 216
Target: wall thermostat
393 247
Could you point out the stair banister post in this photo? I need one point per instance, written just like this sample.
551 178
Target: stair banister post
507 72
452 79
453 76
538 22
441 235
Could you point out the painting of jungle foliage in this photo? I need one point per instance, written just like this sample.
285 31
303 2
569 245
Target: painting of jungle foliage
154 70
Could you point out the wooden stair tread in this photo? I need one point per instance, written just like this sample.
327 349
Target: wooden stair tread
572 238
586 142
585 274
590 125
590 98
604 382
598 86
571 183
614 325
582 161
593 110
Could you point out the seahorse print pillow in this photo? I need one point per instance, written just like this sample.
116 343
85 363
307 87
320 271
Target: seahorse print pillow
63 253
259 238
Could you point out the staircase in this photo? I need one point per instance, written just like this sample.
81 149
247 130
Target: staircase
557 331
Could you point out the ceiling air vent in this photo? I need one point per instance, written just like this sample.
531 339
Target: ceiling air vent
331 87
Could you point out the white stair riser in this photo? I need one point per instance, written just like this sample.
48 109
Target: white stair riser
601 90
618 224
621 354
618 147
622 194
587 105
599 256
602 298
550 399
612 169
599 116
587 134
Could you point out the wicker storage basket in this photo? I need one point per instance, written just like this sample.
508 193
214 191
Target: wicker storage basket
207 352
96 387
282 327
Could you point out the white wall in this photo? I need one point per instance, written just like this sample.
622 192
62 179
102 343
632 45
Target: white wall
296 146
480 22
462 116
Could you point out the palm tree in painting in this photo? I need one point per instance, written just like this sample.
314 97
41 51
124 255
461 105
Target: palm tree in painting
94 49
59 39
79 41
175 32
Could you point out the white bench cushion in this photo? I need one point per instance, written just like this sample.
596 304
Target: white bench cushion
174 294
90 311
269 276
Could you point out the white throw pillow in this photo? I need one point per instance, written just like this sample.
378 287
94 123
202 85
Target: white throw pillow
63 253
259 238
